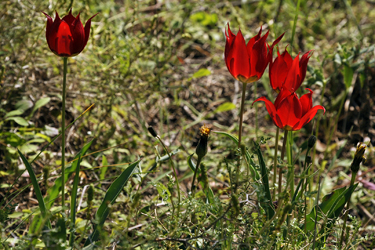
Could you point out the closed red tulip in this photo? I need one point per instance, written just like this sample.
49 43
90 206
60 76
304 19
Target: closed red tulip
67 37
247 63
290 112
288 73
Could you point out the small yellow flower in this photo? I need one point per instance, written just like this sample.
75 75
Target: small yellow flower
358 157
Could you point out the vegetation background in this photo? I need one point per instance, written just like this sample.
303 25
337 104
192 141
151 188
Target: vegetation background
160 63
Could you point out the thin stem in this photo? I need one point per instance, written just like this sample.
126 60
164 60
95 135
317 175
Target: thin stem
241 113
175 175
256 112
290 163
316 213
295 25
240 133
195 174
63 135
354 175
282 158
275 163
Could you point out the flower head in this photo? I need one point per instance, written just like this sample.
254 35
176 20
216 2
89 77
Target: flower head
247 63
290 112
66 37
201 149
358 157
288 73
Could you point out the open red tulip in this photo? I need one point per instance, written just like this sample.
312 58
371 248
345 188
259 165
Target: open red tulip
288 73
247 63
290 112
66 37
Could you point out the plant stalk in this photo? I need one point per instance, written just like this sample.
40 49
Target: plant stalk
275 163
63 135
175 175
282 158
195 174
354 175
241 113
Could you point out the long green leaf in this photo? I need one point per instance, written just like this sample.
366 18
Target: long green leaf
251 165
53 192
330 207
267 202
74 202
38 193
109 198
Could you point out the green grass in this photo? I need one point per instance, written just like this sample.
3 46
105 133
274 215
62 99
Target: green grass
160 64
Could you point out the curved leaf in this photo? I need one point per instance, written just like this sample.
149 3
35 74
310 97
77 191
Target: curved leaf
109 198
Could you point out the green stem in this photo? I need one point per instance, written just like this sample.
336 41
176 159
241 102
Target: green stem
295 25
354 175
290 164
175 175
256 112
63 135
275 163
282 158
240 132
241 113
195 174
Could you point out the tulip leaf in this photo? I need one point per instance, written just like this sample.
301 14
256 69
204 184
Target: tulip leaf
38 193
53 192
266 202
330 208
110 198
225 107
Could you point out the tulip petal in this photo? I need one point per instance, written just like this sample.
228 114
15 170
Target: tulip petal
252 41
63 40
78 34
87 29
292 81
278 70
306 102
277 40
303 64
289 111
308 117
229 40
69 19
238 59
258 56
271 110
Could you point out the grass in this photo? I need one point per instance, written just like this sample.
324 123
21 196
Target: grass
160 64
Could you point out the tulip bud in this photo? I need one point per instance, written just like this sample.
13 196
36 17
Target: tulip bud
152 131
201 149
311 142
358 157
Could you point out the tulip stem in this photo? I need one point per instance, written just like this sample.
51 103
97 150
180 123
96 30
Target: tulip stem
275 163
282 158
63 135
241 113
240 132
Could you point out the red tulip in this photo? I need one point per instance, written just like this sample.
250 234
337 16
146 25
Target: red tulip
288 73
289 112
247 63
66 37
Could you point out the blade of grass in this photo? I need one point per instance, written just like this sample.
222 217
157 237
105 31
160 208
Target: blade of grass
55 190
109 198
38 193
73 202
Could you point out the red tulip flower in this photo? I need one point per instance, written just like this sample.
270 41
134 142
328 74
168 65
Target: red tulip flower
66 37
290 112
247 63
288 73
